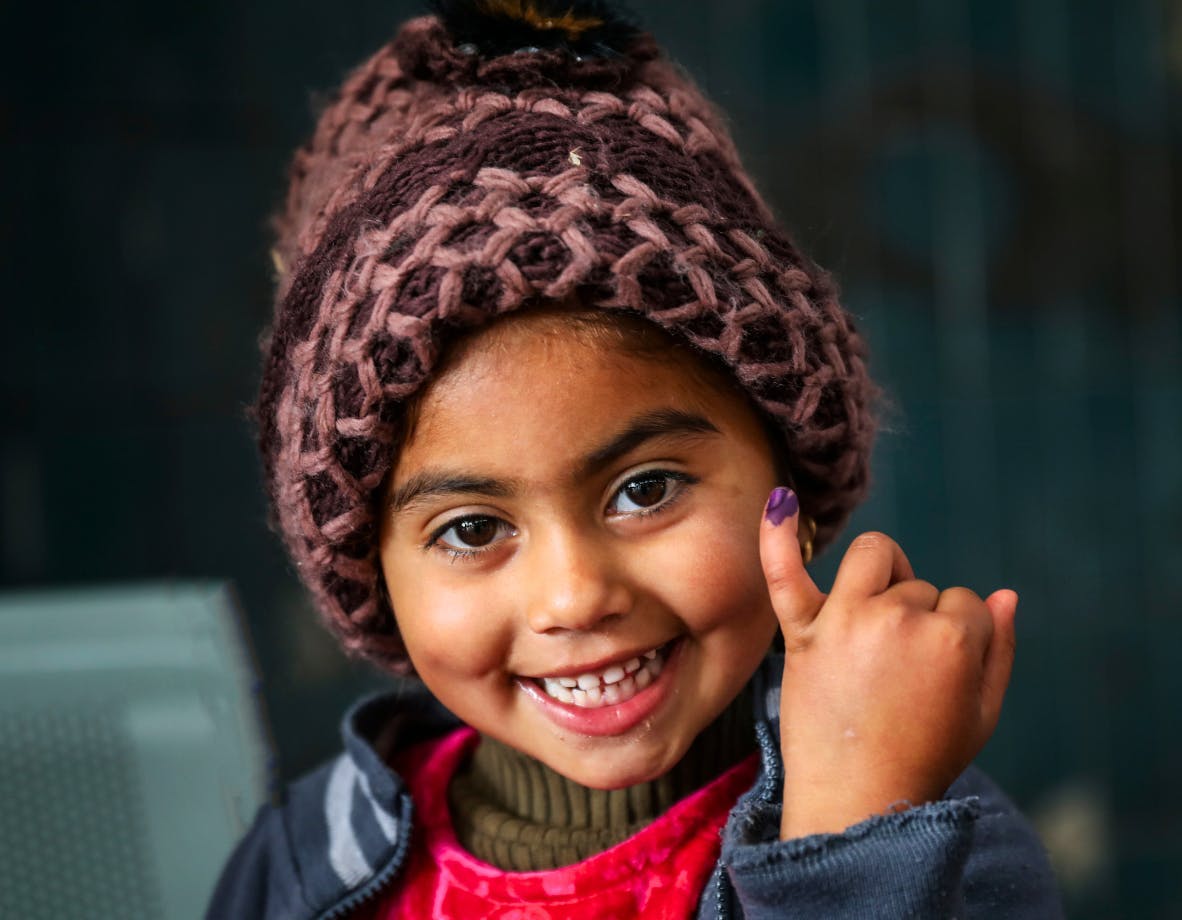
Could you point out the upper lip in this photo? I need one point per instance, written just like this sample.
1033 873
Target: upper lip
598 664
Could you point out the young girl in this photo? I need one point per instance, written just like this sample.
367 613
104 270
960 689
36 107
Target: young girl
553 417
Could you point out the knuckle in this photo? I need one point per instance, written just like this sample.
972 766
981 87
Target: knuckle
897 611
956 630
779 576
870 541
779 586
889 612
956 638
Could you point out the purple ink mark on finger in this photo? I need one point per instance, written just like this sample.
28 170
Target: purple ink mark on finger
781 505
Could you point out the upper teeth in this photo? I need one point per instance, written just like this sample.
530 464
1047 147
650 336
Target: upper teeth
613 684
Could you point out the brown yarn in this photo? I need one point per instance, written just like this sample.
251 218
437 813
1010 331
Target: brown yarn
441 190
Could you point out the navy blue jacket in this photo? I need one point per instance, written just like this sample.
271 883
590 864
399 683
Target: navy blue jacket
343 833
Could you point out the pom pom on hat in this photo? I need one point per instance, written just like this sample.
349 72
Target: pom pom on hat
496 27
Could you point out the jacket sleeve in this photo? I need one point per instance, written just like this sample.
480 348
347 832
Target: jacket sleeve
970 855
258 881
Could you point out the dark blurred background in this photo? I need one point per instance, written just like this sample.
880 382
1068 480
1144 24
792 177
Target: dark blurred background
996 183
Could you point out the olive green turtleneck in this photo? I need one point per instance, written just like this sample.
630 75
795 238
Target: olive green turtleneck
519 815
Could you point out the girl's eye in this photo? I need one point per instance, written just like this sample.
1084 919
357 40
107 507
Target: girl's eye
469 535
475 531
648 492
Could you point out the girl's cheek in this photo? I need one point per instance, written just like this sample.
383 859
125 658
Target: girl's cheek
721 577
453 631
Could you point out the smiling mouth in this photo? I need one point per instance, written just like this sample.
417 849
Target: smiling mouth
610 686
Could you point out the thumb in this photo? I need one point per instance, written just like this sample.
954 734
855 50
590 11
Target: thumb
999 656
795 597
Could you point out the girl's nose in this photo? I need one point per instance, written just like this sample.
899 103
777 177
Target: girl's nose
574 585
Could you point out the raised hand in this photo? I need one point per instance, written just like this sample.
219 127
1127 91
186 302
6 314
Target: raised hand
891 686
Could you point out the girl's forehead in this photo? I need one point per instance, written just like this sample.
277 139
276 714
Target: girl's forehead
554 343
535 384
533 376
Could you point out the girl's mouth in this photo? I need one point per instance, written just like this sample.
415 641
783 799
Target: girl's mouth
610 686
611 701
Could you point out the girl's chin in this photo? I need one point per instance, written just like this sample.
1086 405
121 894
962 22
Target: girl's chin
620 778
599 767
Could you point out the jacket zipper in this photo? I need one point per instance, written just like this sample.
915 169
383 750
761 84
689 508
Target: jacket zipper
381 879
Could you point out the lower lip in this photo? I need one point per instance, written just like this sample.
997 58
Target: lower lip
603 721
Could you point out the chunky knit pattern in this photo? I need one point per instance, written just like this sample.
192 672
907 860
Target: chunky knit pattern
442 189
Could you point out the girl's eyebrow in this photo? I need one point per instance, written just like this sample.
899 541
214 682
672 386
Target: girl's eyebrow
427 483
660 423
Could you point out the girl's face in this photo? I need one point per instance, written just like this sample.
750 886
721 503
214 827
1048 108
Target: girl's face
564 513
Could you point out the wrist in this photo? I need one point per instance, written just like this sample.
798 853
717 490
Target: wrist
805 815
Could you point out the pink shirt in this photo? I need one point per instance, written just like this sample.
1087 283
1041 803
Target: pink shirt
658 872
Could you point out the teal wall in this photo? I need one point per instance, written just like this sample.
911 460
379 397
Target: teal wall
996 184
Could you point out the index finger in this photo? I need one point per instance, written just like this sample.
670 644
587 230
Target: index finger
872 564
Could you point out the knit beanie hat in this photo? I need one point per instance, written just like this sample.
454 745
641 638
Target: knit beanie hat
503 153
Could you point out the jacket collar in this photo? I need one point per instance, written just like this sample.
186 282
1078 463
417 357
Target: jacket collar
348 824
